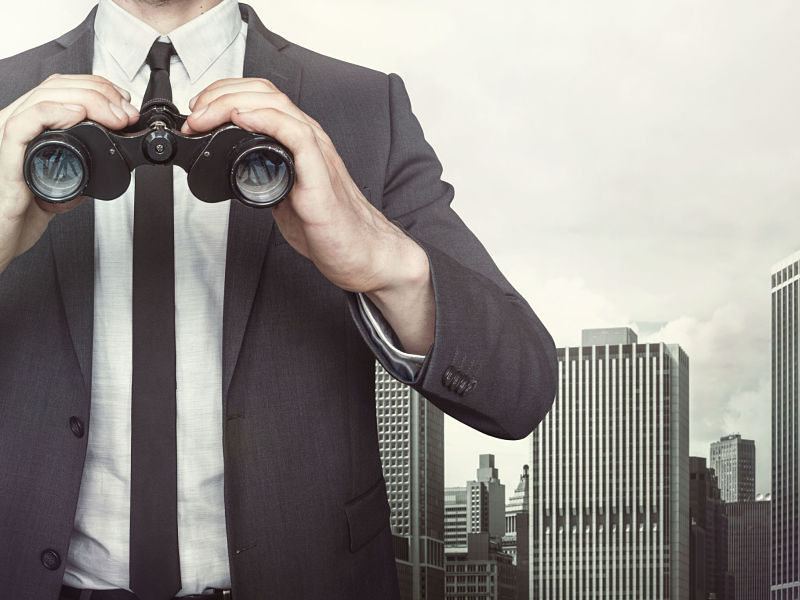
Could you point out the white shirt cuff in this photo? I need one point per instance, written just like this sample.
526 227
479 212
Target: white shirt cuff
382 334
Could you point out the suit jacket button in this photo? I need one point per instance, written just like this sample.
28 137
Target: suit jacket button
76 425
462 386
447 378
470 386
50 559
459 377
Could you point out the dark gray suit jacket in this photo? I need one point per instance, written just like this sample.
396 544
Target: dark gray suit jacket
307 514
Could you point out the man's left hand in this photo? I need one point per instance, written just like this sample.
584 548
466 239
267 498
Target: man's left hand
326 218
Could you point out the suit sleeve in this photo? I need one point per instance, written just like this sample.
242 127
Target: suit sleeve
492 365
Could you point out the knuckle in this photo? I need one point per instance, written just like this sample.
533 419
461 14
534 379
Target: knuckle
94 97
107 89
308 131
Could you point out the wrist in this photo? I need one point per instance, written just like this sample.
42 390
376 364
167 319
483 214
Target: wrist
405 268
406 301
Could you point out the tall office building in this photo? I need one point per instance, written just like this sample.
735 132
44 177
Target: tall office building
517 505
708 542
610 474
785 584
477 507
516 541
411 437
748 548
734 461
455 517
486 500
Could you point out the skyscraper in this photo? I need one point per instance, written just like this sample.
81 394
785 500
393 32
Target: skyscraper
516 541
517 505
477 507
610 474
734 461
748 548
411 438
708 545
785 567
486 500
455 517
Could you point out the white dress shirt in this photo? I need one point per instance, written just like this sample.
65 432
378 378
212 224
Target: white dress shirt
209 48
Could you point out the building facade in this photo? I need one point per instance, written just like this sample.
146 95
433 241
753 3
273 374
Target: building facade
411 438
609 497
486 500
455 517
785 566
708 542
482 571
734 461
749 548
516 540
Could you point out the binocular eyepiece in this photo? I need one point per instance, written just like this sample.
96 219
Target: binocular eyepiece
89 160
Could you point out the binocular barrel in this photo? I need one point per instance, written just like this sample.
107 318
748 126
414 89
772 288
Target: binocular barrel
89 160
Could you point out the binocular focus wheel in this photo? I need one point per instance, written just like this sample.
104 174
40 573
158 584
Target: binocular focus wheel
56 169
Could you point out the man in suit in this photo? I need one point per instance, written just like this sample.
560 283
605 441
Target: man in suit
279 316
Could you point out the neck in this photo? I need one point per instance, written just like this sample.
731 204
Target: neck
166 15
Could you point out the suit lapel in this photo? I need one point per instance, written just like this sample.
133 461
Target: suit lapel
249 229
72 234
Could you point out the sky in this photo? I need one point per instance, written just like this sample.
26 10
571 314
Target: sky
638 166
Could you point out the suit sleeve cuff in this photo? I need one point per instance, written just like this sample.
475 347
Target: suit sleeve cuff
382 335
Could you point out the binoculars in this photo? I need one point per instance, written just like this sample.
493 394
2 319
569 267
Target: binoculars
89 160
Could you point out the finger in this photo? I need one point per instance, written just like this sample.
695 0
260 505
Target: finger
311 169
220 110
94 82
234 87
233 81
98 107
11 108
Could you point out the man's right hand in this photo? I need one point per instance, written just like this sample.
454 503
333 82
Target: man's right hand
59 102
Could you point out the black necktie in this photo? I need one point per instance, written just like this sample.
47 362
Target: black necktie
154 560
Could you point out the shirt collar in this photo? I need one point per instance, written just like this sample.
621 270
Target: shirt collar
198 43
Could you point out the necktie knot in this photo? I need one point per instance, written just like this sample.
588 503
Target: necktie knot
159 55
158 60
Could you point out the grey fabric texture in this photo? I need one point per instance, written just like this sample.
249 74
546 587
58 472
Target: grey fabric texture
307 513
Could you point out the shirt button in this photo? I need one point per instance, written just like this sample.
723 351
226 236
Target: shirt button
50 559
76 425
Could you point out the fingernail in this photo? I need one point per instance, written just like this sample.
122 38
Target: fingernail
129 108
118 112
123 91
192 101
74 107
200 112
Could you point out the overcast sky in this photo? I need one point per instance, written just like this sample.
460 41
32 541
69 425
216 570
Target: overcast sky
645 168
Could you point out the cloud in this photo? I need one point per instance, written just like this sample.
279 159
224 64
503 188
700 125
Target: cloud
729 379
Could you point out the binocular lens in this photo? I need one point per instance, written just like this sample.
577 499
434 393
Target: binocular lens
55 172
262 176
